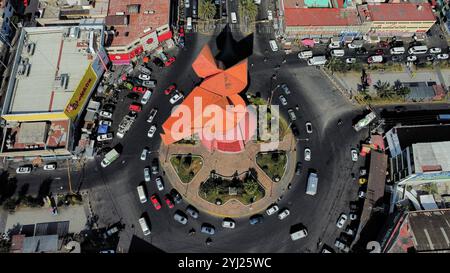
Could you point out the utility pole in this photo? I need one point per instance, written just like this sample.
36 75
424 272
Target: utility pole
68 176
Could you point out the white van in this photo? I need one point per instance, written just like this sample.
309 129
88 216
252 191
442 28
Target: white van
141 194
146 97
233 18
337 52
397 50
144 226
189 23
273 45
299 234
305 54
311 186
418 50
317 60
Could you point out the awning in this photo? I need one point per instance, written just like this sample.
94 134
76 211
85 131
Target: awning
165 36
118 59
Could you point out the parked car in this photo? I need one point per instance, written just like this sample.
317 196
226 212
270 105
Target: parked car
442 56
341 220
139 89
155 166
379 52
176 196
354 155
151 131
208 229
193 212
147 174
135 108
411 58
375 59
144 77
435 50
283 100
350 60
308 126
228 223
298 168
168 200
24 169
397 58
283 214
158 62
50 166
176 97
285 88
155 202
430 58
256 219
105 114
180 217
149 84
341 245
169 61
152 115
361 194
361 51
105 122
292 115
105 137
169 89
272 209
144 154
307 154
159 183
333 45
353 216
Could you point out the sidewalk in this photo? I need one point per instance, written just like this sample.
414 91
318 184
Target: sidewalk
229 164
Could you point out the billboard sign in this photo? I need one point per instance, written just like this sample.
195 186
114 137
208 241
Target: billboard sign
100 62
81 94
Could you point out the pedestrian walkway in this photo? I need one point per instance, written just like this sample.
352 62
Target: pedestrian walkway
227 164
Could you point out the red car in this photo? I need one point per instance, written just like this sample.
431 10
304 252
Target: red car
139 89
135 108
170 89
155 202
379 52
384 44
181 32
169 61
168 200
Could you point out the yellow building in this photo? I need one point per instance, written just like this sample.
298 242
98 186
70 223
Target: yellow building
55 71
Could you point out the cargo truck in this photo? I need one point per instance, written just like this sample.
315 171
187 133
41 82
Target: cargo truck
109 158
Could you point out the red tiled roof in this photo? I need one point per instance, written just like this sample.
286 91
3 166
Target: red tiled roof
320 17
138 22
401 12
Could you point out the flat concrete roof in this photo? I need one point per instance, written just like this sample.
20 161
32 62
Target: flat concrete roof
55 55
32 132
431 156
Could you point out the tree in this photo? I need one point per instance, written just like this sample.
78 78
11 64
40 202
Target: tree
250 186
336 65
206 10
401 90
249 9
383 89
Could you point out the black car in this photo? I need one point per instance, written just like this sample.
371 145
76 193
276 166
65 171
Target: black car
155 166
176 196
361 51
295 130
256 219
298 168
133 96
158 62
397 58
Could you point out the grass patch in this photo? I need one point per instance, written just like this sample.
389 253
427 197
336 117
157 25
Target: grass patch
246 189
186 166
273 164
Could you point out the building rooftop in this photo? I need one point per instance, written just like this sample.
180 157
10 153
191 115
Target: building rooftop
143 16
434 156
397 12
48 67
40 244
321 17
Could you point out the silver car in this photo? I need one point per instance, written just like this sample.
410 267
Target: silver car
208 229
292 115
283 100
144 154
228 223
159 183
180 218
147 174
193 212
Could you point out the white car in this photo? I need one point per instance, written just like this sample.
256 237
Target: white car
341 221
104 137
105 122
334 45
307 154
442 57
152 115
228 223
147 174
24 169
283 100
105 114
144 154
144 77
151 131
411 58
159 183
283 214
350 60
361 194
375 59
308 127
269 15
435 50
272 209
176 97
354 155
353 216
50 167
